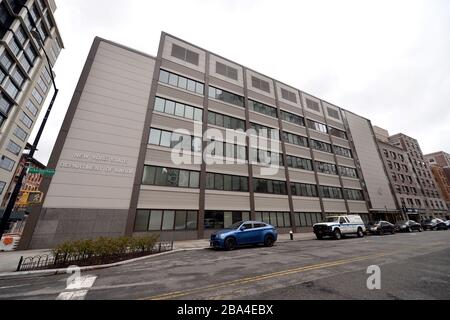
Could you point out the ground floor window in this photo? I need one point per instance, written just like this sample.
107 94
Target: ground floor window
165 220
276 219
224 219
303 219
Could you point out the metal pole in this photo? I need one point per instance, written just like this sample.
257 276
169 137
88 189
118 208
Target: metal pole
18 186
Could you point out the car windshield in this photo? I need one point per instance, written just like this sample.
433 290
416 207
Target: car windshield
332 219
236 225
402 222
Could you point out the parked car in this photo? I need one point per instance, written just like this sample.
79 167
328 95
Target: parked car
434 224
339 226
447 222
381 228
244 233
408 226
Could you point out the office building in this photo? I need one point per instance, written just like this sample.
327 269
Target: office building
440 158
25 79
116 163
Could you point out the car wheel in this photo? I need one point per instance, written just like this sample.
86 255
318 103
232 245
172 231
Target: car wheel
409 230
420 229
319 237
337 234
230 244
269 241
381 232
360 233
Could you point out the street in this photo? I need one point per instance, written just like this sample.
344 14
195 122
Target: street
413 266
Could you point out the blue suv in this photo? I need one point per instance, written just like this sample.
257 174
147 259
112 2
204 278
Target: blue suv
244 233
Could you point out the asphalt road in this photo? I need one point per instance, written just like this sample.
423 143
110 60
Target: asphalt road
413 266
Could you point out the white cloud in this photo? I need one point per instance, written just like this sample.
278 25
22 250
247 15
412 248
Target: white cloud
385 60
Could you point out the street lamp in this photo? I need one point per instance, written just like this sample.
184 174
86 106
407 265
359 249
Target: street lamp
18 186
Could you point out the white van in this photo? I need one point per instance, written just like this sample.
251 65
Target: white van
339 226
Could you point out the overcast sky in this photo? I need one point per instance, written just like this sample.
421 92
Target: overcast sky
388 61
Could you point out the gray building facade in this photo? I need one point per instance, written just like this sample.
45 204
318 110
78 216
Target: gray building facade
114 157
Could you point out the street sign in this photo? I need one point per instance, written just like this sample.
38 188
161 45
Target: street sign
30 197
44 172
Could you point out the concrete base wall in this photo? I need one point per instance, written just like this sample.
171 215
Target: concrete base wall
58 225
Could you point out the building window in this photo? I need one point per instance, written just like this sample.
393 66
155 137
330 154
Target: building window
31 107
265 132
227 150
2 186
276 219
269 186
171 140
165 220
307 219
266 157
288 95
31 53
338 133
223 182
224 219
295 139
340 151
330 192
42 85
185 54
181 82
47 76
332 113
352 194
5 104
6 61
168 177
226 71
13 147
226 96
18 77
12 89
292 118
321 146
304 190
263 109
26 120
20 35
178 109
313 105
327 168
348 172
224 121
317 126
6 163
37 96
299 163
25 63
14 46
21 134
260 84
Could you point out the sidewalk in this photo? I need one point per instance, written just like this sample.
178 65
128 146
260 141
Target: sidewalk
10 260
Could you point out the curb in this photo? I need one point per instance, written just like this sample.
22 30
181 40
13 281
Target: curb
89 268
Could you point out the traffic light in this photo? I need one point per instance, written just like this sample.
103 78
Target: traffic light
30 197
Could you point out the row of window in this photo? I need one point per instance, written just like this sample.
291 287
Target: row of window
263 109
295 139
276 219
327 168
223 182
226 96
181 82
170 140
304 190
299 163
227 150
224 121
178 109
266 157
265 132
165 220
169 177
269 186
330 192
292 118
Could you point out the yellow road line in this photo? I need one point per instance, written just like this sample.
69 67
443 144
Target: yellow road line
247 280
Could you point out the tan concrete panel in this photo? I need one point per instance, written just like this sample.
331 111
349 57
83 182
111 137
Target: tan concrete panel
346 162
335 124
351 183
167 53
106 129
252 95
121 64
95 99
125 53
121 96
227 86
341 142
212 70
232 169
302 176
319 136
292 109
323 156
271 203
221 200
295 129
132 77
277 173
297 151
172 123
310 111
327 180
310 115
164 198
357 207
182 70
179 95
227 109
263 120
162 157
97 136
110 111
334 206
257 91
306 204
70 202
